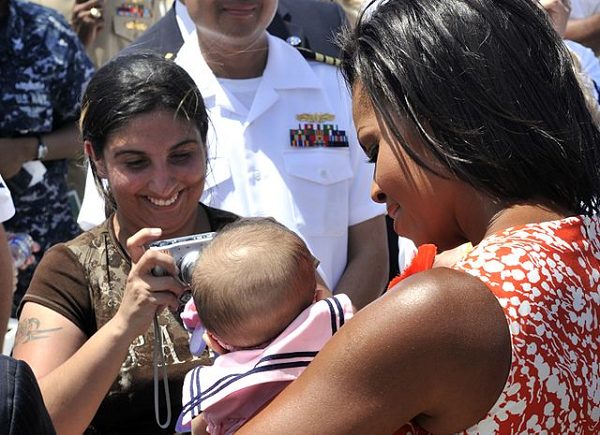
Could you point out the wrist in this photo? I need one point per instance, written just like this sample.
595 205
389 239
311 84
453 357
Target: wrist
41 148
26 147
119 330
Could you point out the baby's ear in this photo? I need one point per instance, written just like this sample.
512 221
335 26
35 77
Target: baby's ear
322 292
213 343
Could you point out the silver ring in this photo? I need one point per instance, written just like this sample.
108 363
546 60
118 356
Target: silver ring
96 13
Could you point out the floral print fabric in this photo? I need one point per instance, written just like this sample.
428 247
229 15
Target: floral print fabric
546 277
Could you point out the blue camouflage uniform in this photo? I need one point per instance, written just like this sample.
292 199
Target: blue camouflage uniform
44 70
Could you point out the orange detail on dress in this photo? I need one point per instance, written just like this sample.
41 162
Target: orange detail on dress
423 260
546 277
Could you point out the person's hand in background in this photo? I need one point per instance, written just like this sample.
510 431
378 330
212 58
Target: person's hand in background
559 11
87 20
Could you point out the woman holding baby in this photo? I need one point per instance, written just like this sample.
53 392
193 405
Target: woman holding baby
478 129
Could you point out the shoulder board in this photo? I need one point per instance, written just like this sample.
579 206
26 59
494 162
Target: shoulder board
318 57
305 52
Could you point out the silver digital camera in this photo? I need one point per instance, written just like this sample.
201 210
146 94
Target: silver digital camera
185 251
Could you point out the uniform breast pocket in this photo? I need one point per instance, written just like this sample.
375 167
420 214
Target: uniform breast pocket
319 181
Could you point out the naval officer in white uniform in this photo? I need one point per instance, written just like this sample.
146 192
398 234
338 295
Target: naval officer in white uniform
282 141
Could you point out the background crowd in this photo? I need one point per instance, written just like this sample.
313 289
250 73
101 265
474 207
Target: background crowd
363 132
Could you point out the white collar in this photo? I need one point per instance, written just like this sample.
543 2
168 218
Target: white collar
285 69
186 26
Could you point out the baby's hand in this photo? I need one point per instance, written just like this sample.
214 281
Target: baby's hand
199 426
451 257
322 292
193 324
213 344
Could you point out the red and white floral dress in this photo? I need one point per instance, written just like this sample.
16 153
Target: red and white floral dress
547 279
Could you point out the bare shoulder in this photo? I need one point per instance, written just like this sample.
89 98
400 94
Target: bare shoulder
435 349
444 297
448 334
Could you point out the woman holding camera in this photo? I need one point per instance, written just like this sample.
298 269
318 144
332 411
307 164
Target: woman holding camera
85 323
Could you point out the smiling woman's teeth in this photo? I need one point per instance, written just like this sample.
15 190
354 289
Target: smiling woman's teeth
163 202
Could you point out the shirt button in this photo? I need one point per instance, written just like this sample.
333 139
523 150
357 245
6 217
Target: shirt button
323 173
257 176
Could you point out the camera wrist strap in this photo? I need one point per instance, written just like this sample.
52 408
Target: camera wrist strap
158 354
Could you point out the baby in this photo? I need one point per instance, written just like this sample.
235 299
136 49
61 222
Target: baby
254 288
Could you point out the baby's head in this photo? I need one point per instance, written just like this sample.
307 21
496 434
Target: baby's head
252 281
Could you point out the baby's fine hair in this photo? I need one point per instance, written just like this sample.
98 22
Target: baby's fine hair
252 281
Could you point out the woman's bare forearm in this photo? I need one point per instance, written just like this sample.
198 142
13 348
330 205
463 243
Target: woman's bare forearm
74 377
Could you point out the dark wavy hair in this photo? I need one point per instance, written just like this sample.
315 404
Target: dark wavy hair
490 88
132 85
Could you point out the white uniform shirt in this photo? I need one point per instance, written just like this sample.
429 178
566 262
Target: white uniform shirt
7 208
254 171
584 8
186 25
590 64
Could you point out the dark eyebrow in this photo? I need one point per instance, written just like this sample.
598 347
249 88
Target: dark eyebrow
172 147
183 142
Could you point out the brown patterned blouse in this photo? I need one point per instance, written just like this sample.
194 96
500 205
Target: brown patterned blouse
83 280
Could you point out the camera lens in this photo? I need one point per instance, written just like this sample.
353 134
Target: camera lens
186 266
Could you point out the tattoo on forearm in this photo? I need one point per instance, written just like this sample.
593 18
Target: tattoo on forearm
29 330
